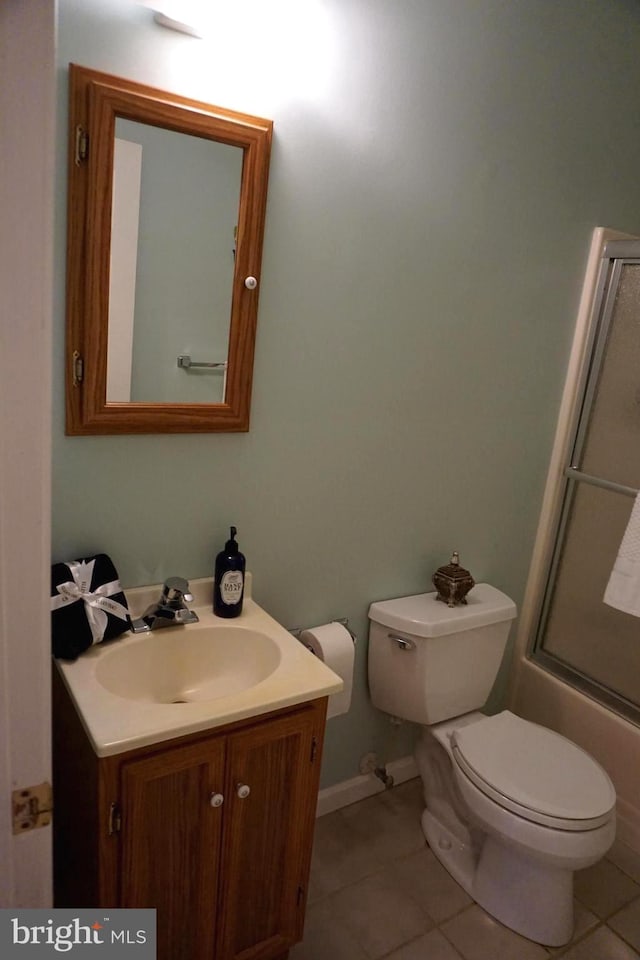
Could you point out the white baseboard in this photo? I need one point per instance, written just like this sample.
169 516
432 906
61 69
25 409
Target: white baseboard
358 788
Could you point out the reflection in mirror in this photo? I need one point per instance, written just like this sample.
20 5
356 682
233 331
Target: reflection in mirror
173 227
166 211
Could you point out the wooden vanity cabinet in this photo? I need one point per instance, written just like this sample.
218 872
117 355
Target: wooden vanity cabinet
214 830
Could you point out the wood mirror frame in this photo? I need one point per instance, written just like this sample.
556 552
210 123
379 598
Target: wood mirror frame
95 101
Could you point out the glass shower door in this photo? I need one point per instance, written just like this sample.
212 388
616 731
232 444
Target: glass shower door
580 638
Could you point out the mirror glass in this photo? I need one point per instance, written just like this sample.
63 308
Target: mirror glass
166 209
174 221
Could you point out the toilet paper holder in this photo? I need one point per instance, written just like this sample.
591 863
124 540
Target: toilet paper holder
298 631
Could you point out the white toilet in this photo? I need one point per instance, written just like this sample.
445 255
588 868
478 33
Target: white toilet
512 809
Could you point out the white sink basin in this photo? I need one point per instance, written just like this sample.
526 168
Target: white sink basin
147 688
179 665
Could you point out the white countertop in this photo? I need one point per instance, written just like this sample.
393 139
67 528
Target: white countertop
116 723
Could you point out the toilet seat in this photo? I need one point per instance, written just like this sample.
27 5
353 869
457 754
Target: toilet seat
534 772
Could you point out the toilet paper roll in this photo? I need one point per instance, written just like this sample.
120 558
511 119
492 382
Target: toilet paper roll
332 643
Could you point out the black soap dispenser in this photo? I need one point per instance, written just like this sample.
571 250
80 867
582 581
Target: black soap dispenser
228 581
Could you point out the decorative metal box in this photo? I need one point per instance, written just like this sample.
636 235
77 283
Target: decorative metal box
453 582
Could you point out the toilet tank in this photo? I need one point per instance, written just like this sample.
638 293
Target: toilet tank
429 662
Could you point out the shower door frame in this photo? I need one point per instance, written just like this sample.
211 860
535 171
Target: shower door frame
616 254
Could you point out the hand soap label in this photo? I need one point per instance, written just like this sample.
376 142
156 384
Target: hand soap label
231 587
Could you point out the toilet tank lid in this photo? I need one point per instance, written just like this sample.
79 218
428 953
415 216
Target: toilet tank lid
423 616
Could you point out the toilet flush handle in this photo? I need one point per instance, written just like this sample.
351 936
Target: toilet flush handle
403 643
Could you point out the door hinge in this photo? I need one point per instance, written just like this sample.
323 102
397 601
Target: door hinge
82 145
31 807
77 368
115 818
314 749
300 896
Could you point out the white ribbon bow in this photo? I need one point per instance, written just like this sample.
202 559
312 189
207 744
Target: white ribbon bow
97 603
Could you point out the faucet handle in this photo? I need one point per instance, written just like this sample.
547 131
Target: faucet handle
176 589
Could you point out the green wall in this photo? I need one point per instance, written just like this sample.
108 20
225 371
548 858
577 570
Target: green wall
438 167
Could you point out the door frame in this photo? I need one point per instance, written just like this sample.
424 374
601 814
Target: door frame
27 106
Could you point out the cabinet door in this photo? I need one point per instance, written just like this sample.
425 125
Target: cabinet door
171 835
272 783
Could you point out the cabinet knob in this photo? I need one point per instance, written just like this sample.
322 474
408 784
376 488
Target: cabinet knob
243 790
216 799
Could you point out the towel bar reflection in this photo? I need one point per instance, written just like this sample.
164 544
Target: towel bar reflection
185 361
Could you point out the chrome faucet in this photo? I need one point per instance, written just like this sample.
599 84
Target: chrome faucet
169 610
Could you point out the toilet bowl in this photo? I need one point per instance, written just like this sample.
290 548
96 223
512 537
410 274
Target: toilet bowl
533 808
512 808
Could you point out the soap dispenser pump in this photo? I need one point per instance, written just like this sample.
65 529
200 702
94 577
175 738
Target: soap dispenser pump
228 581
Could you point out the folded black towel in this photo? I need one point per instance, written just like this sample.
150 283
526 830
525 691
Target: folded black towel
87 605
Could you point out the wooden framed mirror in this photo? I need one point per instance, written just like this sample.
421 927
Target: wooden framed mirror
166 210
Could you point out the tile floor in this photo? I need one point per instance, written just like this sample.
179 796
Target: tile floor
377 891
